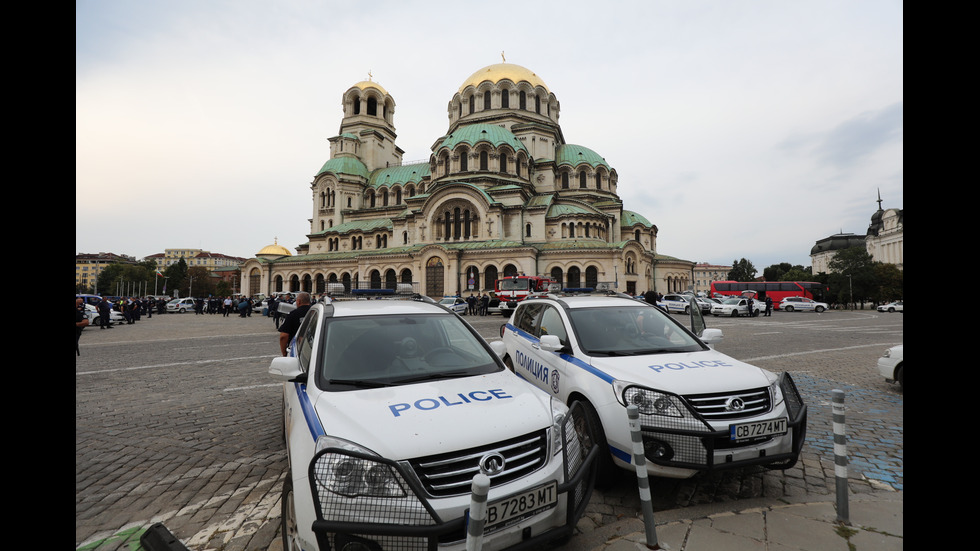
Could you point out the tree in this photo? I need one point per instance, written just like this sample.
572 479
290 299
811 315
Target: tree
852 276
176 275
127 279
890 283
199 282
785 272
742 270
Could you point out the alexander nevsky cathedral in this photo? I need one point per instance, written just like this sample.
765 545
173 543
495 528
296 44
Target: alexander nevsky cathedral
502 193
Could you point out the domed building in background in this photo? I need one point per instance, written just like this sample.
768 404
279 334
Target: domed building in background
502 193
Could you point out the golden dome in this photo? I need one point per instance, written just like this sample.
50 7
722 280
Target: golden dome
500 71
365 84
274 250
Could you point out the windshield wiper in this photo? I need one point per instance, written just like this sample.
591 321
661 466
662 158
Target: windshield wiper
436 376
358 383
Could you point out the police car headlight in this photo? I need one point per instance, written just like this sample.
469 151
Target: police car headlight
353 476
558 413
775 392
648 401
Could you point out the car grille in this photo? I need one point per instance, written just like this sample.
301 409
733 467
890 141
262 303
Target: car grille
715 407
452 473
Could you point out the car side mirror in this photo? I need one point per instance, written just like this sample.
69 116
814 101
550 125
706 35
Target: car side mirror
550 343
286 368
712 336
499 348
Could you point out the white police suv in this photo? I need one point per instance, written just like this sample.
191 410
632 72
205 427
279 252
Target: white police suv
391 410
700 410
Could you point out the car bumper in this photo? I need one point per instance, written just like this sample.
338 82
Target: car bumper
709 447
886 367
418 521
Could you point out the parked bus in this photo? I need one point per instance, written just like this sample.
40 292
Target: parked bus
776 290
513 289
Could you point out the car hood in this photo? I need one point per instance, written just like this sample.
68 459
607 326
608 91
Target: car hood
423 419
685 373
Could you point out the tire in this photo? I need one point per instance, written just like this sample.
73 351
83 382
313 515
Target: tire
290 533
734 313
687 309
96 321
819 309
509 364
900 376
181 311
787 308
756 313
891 310
606 471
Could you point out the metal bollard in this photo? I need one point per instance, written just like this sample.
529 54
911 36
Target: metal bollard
639 459
840 456
478 512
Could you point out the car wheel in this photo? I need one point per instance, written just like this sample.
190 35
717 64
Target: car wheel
687 309
891 310
290 533
756 312
787 308
181 311
734 313
97 321
900 376
509 364
819 309
606 471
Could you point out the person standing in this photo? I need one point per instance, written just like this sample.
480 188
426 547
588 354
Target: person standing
768 306
290 325
227 307
105 313
81 321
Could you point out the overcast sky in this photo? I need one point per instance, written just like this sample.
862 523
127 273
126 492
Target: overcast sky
740 128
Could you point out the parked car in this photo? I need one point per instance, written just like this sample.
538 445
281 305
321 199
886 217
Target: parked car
891 367
456 304
675 303
180 305
95 320
736 306
391 411
892 307
704 303
700 410
802 304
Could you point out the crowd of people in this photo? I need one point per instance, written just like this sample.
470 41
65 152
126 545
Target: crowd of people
477 305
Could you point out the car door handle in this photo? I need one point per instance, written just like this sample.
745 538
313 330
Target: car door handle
536 345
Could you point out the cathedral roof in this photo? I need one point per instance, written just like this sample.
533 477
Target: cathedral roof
345 165
274 250
399 175
365 84
574 155
631 218
503 71
473 134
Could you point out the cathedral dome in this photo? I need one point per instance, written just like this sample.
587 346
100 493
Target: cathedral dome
365 84
503 71
274 250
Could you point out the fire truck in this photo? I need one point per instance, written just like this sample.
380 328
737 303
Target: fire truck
513 289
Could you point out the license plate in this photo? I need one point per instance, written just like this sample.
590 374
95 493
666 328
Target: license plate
508 510
745 431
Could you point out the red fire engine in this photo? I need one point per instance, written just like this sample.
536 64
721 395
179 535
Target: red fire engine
513 289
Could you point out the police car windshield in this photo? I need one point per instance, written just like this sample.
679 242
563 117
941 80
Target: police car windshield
373 351
630 331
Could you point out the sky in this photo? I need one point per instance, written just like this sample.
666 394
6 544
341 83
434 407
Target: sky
741 129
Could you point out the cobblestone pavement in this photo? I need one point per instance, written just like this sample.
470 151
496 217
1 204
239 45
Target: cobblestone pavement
177 421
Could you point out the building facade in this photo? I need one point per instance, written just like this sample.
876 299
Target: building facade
88 266
884 241
705 273
502 193
195 257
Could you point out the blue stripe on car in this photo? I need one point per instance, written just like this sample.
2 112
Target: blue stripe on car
312 421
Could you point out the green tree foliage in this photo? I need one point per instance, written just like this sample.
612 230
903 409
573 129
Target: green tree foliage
742 270
785 272
199 282
852 276
127 279
176 278
890 283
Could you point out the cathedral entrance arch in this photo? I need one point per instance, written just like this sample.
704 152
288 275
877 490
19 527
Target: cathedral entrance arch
434 277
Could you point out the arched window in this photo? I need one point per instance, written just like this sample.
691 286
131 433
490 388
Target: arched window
556 274
372 107
446 164
510 270
591 277
564 180
571 230
574 277
405 238
489 277
372 198
447 226
466 224
486 100
484 160
471 102
503 162
581 179
636 235
398 196
598 180
462 161
527 230
523 100
505 99
517 166
357 106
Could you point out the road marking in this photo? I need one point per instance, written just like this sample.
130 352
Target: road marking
825 350
197 362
